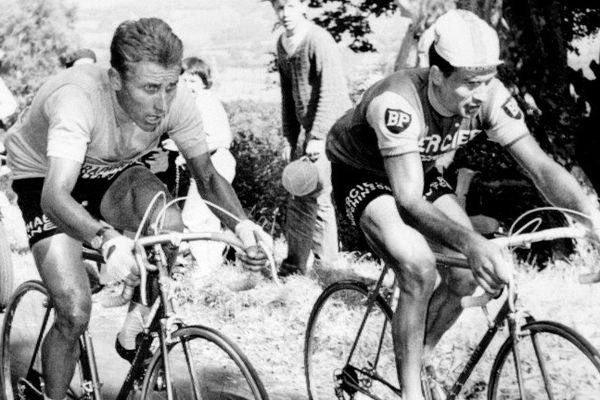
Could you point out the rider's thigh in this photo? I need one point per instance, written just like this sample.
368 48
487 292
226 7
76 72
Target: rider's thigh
460 281
60 265
126 200
400 245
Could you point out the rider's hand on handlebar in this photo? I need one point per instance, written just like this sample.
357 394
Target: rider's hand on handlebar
491 265
251 235
120 262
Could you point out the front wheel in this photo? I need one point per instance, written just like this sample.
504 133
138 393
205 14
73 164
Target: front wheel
556 362
204 365
342 361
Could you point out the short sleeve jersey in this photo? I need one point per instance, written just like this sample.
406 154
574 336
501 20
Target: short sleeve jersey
395 117
75 115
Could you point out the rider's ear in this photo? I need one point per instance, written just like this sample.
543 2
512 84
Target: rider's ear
435 75
115 79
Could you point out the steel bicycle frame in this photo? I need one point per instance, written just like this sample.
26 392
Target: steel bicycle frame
159 315
503 315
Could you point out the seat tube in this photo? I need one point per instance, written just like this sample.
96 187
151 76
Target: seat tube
88 357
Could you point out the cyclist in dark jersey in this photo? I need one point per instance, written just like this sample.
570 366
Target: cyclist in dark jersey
383 155
75 156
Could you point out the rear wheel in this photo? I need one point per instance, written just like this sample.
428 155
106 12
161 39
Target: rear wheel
204 365
557 363
333 329
6 267
28 317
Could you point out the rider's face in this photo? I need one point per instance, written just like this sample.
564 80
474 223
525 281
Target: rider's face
464 91
146 92
290 13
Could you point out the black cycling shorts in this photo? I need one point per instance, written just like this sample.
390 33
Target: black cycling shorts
354 189
88 192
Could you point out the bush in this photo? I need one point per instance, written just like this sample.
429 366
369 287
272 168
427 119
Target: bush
34 34
257 147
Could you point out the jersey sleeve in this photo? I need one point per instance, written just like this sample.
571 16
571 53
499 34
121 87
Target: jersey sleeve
396 124
70 122
504 119
185 124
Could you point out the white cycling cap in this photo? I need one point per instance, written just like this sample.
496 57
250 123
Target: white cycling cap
466 41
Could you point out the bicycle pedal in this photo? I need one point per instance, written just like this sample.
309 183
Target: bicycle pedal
27 390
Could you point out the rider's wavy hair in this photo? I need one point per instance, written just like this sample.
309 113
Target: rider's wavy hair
199 67
147 39
437 60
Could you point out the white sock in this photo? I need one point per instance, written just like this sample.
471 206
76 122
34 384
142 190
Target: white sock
134 324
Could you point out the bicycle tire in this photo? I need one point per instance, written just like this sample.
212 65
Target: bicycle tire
224 373
6 267
331 331
23 326
572 365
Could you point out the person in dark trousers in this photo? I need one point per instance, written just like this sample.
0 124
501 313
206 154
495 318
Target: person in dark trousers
313 95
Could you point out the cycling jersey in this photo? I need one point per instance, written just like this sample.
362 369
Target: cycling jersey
75 115
395 117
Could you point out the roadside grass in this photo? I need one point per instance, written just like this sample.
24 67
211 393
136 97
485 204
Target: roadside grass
269 322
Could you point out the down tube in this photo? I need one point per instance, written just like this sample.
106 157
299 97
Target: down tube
478 352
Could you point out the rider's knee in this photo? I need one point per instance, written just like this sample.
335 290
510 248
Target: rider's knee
417 273
173 220
73 319
462 283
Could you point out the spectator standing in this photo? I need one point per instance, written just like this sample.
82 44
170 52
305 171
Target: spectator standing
197 216
313 95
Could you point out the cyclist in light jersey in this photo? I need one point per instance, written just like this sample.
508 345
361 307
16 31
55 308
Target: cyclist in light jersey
75 156
384 180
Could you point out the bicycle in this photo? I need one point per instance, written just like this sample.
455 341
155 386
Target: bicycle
202 363
6 264
359 359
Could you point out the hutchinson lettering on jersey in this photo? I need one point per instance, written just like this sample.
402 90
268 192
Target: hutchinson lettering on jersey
433 146
397 120
91 171
511 108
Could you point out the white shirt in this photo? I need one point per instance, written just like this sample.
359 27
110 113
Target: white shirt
291 43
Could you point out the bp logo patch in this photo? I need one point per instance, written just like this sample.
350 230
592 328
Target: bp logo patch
397 120
511 108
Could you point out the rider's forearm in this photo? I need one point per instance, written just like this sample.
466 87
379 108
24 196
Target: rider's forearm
562 189
68 215
216 189
434 224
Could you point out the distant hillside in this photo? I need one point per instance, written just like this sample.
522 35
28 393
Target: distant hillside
236 37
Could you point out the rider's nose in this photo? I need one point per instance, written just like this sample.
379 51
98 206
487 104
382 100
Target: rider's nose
161 102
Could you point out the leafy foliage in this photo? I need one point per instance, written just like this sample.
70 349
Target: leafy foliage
33 35
351 17
257 147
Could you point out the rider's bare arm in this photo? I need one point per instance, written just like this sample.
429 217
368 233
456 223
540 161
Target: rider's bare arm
558 186
406 178
58 204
